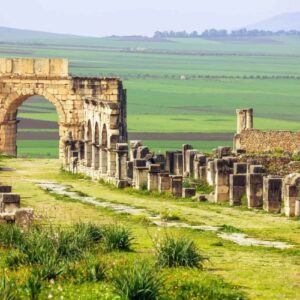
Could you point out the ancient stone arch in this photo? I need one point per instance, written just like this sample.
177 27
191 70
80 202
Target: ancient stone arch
77 100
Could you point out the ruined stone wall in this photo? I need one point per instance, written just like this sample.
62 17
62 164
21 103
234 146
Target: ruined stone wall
253 140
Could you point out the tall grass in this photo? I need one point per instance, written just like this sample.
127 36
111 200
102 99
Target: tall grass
138 282
117 238
178 252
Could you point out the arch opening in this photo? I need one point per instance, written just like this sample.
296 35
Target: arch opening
31 127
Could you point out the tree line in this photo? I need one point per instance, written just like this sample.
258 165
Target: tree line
219 33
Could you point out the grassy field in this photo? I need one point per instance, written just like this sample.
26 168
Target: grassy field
221 75
256 272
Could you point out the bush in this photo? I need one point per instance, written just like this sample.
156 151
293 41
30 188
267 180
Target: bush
178 252
138 282
117 238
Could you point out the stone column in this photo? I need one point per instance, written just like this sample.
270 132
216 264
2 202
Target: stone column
103 160
272 193
8 139
211 173
137 163
178 163
189 159
237 188
249 113
154 170
290 198
88 154
184 163
141 178
111 162
241 120
255 187
199 161
240 168
133 149
170 161
95 156
121 160
163 182
176 185
222 180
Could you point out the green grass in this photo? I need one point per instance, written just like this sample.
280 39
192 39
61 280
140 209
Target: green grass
231 269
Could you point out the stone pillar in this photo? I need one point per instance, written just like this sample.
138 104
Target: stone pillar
249 113
222 180
9 202
189 160
272 193
8 138
170 161
178 163
202 173
95 156
244 119
129 169
103 160
255 186
199 161
163 182
240 168
133 149
176 185
121 160
184 163
290 198
137 163
237 190
154 170
141 178
142 151
88 154
111 162
211 173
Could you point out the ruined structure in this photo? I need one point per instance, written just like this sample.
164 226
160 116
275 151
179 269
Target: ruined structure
252 140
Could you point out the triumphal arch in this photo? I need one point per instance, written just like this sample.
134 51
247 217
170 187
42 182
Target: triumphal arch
91 111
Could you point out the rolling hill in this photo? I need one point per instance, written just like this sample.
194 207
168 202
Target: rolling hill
289 21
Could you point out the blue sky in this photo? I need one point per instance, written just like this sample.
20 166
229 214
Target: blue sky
125 17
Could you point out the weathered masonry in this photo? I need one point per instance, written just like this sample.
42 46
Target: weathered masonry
252 140
90 110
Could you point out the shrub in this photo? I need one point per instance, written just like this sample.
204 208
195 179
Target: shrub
117 238
176 252
138 282
230 229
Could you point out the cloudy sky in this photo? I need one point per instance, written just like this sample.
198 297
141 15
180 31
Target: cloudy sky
126 17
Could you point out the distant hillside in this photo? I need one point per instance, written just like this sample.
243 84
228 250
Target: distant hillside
290 21
12 34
